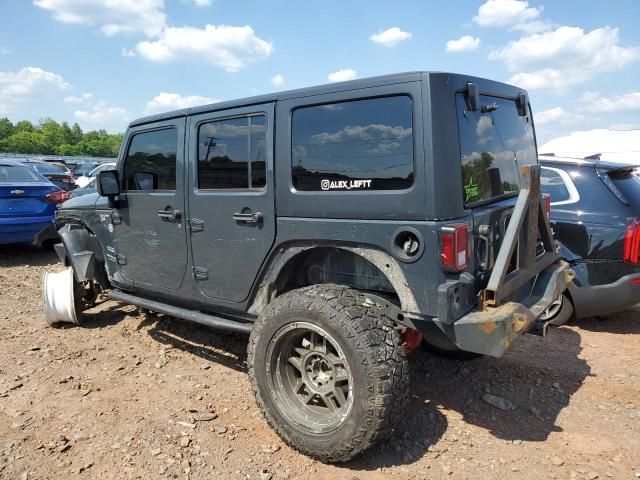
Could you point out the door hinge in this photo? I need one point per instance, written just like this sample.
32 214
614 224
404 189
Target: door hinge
121 259
200 273
196 225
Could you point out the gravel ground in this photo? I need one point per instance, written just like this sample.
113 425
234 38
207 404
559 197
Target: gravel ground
130 396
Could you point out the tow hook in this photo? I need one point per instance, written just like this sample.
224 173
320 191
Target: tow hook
569 275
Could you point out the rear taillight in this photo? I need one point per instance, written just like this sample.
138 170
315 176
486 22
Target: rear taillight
58 196
632 243
546 197
453 247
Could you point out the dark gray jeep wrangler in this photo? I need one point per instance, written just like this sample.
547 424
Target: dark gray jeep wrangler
340 226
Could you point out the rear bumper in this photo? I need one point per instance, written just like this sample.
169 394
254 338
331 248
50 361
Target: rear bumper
491 332
24 229
605 299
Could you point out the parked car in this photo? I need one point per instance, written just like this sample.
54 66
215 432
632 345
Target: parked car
86 190
27 204
595 214
56 174
391 227
82 169
83 180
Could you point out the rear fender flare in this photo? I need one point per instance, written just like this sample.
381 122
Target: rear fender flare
383 261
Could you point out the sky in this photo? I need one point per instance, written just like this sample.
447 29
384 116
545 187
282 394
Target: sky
103 63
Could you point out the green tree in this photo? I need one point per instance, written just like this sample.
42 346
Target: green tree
6 128
76 134
24 126
24 142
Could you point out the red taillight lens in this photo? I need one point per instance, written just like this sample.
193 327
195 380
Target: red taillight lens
632 243
453 247
546 197
58 196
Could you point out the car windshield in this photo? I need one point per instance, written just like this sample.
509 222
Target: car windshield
495 143
17 173
47 168
84 168
99 169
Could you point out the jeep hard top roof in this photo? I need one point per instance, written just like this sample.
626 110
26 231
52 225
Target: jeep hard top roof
315 90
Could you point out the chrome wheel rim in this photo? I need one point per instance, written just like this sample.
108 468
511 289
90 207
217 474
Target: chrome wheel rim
553 309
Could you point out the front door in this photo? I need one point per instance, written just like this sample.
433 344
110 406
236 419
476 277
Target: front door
231 202
149 226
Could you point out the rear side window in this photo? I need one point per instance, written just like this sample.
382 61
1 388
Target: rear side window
494 146
16 173
355 145
552 183
627 181
231 153
150 163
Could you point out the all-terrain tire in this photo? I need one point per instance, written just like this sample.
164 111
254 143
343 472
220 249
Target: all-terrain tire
371 345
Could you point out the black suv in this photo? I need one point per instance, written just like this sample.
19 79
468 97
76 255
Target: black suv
595 215
339 225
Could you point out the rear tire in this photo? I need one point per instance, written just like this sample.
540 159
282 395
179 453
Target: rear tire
328 371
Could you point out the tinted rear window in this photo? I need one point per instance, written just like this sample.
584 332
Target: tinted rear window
494 146
628 182
356 145
14 173
47 168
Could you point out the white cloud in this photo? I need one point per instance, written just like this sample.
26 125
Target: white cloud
83 99
28 83
202 3
112 16
466 43
164 102
506 13
4 51
225 46
342 75
127 53
277 80
564 57
617 103
390 37
556 115
103 116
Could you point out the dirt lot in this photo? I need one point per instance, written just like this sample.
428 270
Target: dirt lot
130 396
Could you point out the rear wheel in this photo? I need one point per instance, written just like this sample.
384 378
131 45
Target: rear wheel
559 312
328 371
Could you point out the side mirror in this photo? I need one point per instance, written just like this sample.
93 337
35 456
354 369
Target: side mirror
108 183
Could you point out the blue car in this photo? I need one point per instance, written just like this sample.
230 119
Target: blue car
28 203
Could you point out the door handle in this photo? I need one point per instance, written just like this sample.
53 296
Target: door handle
169 214
250 217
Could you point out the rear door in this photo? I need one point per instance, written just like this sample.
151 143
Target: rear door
495 143
149 228
231 198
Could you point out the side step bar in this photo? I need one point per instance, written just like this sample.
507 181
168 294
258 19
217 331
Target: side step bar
182 313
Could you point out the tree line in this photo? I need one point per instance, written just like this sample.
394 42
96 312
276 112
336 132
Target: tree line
49 137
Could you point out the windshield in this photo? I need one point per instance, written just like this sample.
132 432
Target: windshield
83 169
99 169
495 143
15 173
47 168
